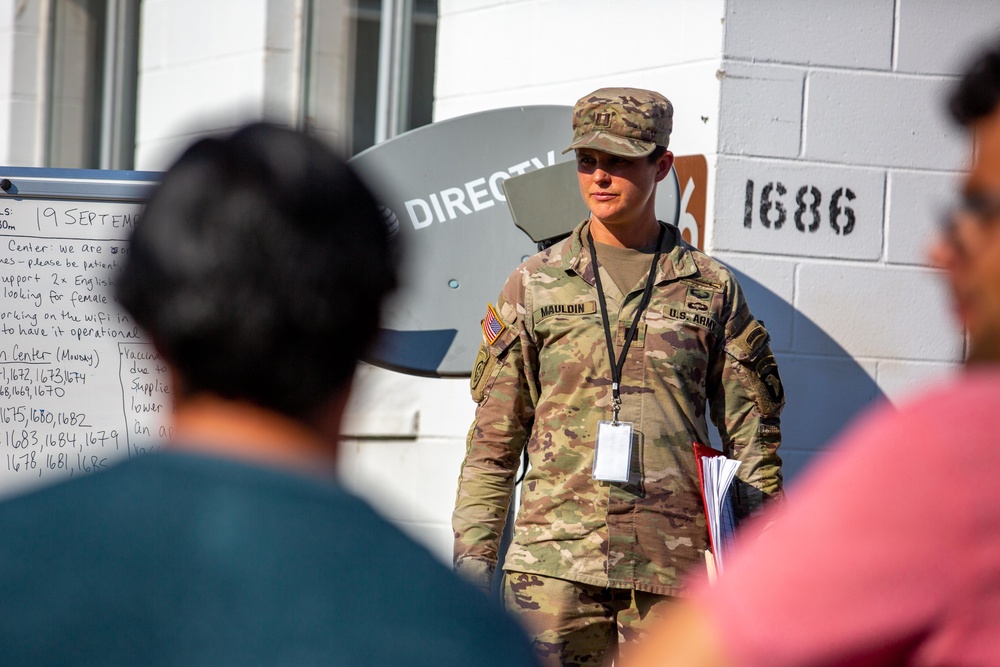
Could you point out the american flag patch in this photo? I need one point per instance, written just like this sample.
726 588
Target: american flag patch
492 326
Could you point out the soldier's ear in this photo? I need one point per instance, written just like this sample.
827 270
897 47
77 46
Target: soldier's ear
663 165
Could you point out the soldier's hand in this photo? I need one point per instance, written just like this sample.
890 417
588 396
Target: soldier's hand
478 573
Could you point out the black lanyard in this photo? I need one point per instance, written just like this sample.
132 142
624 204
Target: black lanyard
647 293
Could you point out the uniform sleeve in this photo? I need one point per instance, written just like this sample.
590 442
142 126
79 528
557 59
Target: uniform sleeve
746 396
502 389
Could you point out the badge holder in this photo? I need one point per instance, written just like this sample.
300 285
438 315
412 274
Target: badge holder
613 451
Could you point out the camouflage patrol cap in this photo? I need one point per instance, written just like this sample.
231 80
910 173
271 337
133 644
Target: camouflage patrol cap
630 122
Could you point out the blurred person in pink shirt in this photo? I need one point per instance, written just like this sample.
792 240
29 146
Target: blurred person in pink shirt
890 553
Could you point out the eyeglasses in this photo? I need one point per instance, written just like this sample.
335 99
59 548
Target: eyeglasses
983 208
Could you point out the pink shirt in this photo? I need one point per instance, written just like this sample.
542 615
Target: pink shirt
888 552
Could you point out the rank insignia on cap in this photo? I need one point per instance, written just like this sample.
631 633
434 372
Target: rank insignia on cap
492 325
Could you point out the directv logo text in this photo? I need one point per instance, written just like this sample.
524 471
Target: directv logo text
479 194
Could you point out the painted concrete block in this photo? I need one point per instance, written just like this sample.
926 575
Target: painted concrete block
848 33
230 28
902 380
18 119
467 51
281 28
280 88
388 404
448 7
8 62
212 95
761 109
158 154
898 381
5 137
434 466
795 463
515 46
193 41
383 404
8 15
19 72
798 209
446 408
367 474
404 480
25 16
154 47
874 311
927 34
768 284
822 396
917 203
869 118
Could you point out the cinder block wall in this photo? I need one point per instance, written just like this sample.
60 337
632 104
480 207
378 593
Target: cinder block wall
828 107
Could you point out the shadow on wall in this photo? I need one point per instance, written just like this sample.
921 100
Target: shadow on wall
823 393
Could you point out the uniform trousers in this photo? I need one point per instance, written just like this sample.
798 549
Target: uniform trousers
572 623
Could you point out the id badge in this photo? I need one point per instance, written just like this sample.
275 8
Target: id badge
613 451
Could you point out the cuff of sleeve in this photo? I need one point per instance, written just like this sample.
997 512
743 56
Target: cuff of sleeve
479 573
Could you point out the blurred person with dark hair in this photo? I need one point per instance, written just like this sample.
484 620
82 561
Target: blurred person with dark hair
258 271
890 554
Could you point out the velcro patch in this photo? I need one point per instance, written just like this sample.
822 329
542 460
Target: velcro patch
767 368
750 340
696 318
701 284
493 326
585 308
481 373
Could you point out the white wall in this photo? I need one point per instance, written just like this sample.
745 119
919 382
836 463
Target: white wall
20 59
209 67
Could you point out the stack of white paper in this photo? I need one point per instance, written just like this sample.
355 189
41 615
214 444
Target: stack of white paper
718 473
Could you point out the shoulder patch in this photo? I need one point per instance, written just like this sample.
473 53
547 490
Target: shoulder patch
750 340
493 326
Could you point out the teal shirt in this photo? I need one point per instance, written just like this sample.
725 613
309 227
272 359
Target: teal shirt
177 559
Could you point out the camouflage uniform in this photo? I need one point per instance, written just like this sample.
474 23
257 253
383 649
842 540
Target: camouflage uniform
545 382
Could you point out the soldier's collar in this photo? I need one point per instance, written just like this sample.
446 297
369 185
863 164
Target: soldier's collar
675 261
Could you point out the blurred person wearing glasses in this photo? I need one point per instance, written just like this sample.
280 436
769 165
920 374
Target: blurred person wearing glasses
891 553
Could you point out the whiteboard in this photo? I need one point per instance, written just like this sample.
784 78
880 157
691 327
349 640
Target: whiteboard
81 387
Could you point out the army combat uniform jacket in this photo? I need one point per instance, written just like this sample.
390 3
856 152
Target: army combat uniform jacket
544 382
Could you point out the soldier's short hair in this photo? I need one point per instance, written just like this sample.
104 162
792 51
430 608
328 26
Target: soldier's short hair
258 269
